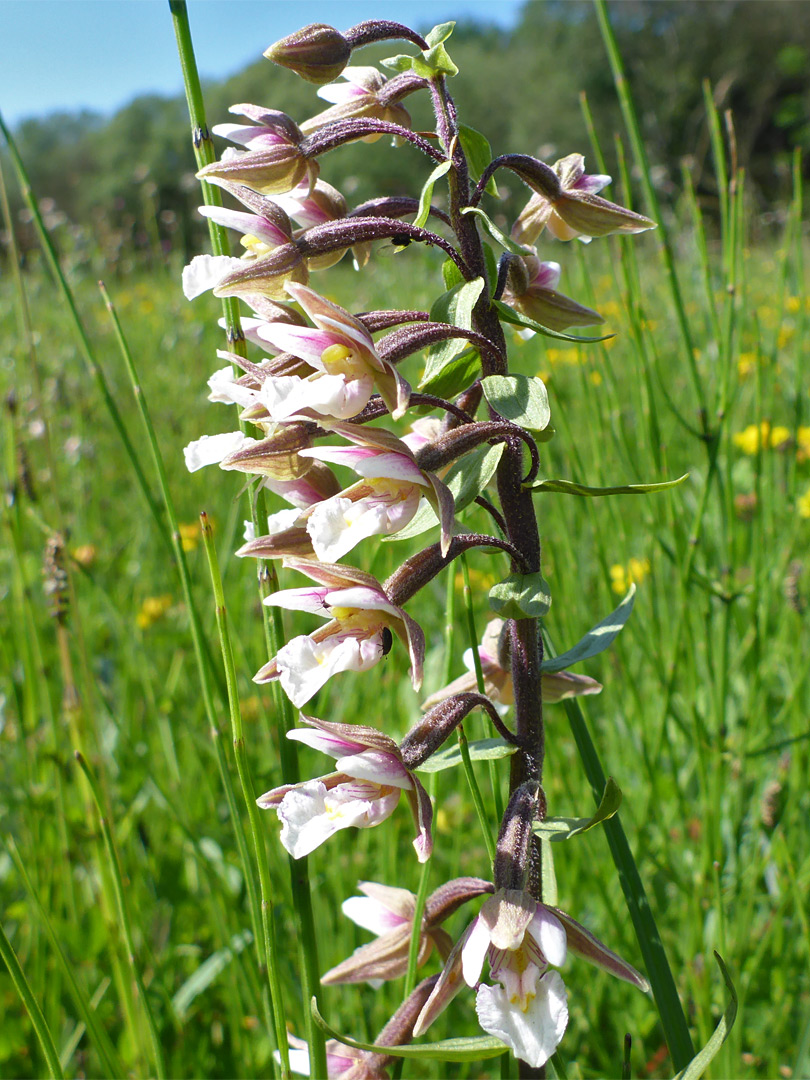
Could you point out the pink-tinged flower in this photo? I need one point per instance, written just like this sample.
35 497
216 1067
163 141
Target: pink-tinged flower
358 635
273 162
357 97
388 913
534 293
577 211
380 504
342 1062
496 669
522 939
321 204
361 794
346 365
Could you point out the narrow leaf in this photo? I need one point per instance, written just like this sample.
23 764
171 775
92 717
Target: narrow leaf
441 32
400 62
478 153
473 1049
559 828
568 487
480 750
548 874
451 377
427 193
509 315
521 596
596 640
698 1065
519 398
496 234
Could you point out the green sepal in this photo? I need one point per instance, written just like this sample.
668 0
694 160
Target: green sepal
559 828
568 487
700 1062
514 318
480 750
518 398
427 193
599 638
441 32
478 153
473 1049
447 379
434 62
521 596
497 234
466 479
400 62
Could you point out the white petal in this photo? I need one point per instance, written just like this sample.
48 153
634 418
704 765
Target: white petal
305 666
535 1034
206 271
281 520
337 525
305 822
371 914
211 449
549 933
474 951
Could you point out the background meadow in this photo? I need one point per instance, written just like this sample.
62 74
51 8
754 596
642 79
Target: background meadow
702 721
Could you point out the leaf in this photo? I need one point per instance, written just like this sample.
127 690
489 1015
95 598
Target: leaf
521 596
454 307
448 379
518 398
596 640
548 875
427 193
451 274
473 1049
496 234
480 750
466 478
509 315
698 1065
559 828
479 154
568 487
441 32
400 62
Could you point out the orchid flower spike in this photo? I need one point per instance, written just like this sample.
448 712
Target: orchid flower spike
361 631
496 667
577 211
361 794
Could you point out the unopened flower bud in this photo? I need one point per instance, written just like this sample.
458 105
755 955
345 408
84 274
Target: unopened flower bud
514 838
318 53
276 456
269 171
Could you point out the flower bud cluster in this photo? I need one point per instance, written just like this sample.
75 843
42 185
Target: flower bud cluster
307 404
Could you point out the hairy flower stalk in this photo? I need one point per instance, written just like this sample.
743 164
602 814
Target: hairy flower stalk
322 399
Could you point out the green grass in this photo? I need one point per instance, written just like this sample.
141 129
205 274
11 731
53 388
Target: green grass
702 721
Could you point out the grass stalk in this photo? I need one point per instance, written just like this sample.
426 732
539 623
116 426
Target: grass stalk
17 974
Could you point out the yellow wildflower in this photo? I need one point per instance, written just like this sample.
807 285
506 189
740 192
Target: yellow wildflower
763 435
152 609
746 363
793 304
85 554
622 577
803 441
595 377
786 334
189 535
803 504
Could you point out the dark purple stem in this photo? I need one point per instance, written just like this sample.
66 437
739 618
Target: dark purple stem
366 33
334 135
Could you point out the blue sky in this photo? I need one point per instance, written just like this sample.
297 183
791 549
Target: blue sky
99 54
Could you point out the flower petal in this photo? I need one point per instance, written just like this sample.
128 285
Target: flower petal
535 1034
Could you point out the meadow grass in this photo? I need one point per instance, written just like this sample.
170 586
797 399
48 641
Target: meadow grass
702 721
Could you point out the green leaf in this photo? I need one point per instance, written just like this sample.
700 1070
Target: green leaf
596 640
568 487
454 307
435 61
473 1049
496 234
478 153
518 398
698 1065
451 274
509 315
206 973
480 750
521 596
559 828
466 478
450 378
400 62
548 876
427 193
439 33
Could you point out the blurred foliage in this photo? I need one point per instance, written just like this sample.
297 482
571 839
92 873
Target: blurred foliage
130 178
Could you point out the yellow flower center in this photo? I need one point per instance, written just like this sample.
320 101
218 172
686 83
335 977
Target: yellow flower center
341 360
